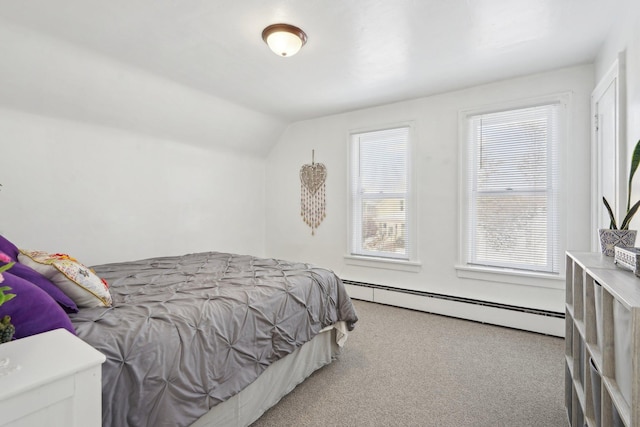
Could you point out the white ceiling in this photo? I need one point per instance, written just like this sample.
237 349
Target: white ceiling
359 53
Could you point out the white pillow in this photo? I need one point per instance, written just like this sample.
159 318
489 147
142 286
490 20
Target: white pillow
77 281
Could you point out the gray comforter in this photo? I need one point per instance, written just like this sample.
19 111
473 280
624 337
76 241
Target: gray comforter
186 333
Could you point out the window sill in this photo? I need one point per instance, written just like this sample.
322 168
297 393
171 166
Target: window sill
505 275
386 263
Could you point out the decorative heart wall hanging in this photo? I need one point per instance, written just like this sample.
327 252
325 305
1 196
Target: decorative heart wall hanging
312 199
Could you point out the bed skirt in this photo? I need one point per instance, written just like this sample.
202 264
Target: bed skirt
274 383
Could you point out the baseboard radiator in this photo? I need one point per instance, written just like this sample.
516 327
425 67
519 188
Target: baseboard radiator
525 318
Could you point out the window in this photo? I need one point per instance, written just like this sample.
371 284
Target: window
380 194
511 214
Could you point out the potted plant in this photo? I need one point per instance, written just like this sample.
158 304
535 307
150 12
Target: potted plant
622 236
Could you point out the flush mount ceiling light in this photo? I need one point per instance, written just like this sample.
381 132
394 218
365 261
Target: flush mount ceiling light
284 39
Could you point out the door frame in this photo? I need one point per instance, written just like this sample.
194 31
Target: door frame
614 76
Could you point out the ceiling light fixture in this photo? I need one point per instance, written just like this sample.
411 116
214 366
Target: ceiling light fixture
284 39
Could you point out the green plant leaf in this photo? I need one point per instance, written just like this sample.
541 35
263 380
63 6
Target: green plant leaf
5 297
6 266
629 216
612 224
635 161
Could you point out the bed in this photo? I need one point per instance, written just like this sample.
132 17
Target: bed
211 339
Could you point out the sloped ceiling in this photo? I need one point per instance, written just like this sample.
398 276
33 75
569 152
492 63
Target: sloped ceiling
199 71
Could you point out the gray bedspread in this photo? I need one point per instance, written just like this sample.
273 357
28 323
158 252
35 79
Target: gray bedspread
187 332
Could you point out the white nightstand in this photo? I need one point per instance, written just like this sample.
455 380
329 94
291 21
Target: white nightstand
50 379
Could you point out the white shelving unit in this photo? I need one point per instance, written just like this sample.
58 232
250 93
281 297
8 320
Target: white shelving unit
602 343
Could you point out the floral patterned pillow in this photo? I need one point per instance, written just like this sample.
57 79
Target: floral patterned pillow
77 281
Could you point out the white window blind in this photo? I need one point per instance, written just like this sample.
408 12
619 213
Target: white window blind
512 189
380 193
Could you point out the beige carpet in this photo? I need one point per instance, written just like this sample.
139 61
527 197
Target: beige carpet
407 368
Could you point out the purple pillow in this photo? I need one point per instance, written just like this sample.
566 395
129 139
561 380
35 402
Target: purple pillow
32 310
8 248
29 274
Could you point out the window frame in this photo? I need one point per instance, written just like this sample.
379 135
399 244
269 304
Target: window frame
464 268
372 258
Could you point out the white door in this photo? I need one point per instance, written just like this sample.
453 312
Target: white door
607 153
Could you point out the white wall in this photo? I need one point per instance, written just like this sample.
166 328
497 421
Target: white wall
103 194
108 162
436 163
